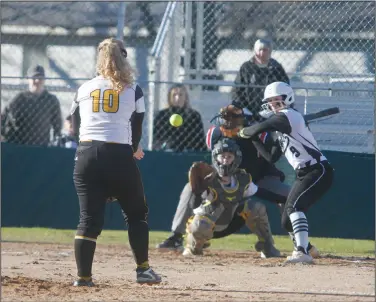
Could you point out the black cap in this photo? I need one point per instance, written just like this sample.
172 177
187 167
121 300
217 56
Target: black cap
36 71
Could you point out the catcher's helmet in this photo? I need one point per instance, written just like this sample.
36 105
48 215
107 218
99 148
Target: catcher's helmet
226 145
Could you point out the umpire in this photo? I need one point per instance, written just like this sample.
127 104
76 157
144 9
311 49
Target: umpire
110 110
260 70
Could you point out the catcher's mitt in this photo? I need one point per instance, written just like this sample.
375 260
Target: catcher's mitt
200 174
231 120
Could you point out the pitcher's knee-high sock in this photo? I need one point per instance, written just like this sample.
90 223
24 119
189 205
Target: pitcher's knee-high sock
84 249
138 234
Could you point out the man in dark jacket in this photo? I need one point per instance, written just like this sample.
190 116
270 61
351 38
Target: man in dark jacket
260 70
30 116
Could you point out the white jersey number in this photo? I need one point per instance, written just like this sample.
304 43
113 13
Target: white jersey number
110 99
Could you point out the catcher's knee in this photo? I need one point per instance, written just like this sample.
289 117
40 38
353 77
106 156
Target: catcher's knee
254 210
201 227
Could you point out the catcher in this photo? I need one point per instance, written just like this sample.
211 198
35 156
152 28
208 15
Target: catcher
265 175
224 191
268 179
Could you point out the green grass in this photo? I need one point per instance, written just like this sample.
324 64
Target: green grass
340 247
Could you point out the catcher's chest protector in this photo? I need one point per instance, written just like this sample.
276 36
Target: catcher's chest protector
224 206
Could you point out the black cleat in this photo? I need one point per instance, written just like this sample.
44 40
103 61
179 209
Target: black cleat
147 276
82 282
173 243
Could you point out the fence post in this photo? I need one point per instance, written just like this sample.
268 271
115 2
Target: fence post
121 21
188 40
199 45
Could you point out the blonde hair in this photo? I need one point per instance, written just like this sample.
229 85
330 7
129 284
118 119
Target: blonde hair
113 65
170 95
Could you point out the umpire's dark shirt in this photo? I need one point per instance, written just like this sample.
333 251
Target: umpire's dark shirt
29 118
252 74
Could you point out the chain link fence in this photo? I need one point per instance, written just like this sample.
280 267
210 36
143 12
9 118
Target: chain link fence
325 48
315 42
63 37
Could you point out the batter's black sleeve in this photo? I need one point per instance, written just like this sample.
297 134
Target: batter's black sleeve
278 122
262 150
271 143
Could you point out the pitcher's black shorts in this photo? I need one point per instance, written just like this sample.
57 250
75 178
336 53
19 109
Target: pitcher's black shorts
104 170
310 185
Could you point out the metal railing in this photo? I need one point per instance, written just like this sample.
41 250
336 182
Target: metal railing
155 60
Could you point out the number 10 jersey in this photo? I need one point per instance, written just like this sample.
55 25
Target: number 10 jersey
106 114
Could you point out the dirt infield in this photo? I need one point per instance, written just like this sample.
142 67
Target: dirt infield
45 272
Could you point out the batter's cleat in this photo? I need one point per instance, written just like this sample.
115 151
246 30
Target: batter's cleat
267 250
299 256
82 282
313 251
147 276
188 252
173 243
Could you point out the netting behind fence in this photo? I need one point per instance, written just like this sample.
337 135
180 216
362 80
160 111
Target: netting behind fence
326 49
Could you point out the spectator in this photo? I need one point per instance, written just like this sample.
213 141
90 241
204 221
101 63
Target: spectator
190 135
31 114
67 139
260 70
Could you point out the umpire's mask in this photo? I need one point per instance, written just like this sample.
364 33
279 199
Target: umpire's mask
226 157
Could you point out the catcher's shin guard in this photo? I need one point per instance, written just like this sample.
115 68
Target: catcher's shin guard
256 219
199 231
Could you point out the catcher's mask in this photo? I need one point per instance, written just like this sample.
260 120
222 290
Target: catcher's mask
222 146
